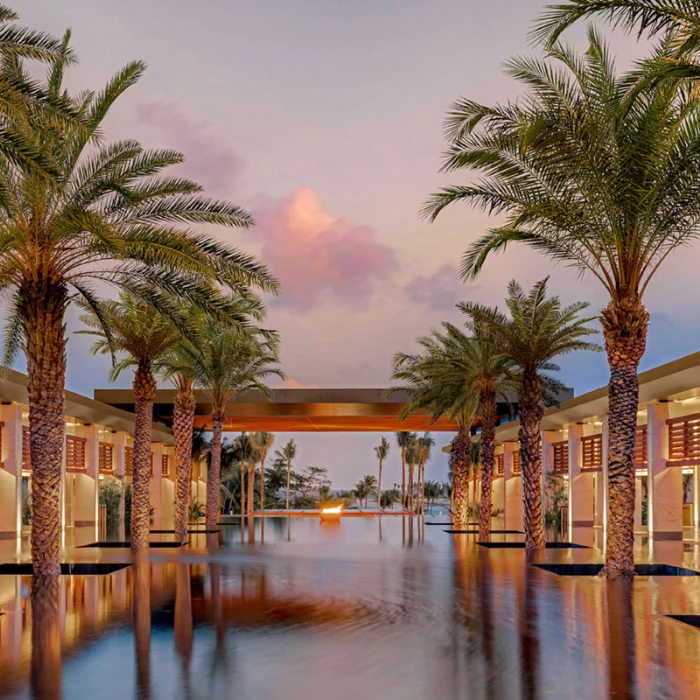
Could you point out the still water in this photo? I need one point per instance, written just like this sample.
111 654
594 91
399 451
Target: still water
365 608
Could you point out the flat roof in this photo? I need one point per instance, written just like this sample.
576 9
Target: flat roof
673 381
296 410
13 387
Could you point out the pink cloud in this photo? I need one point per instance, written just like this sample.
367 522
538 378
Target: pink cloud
294 384
319 257
207 160
439 291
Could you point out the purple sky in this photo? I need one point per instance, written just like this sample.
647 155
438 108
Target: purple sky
324 118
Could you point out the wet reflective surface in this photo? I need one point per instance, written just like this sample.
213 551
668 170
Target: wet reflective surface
370 607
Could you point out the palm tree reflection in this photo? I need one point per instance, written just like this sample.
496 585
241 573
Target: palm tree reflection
142 627
46 638
621 642
183 623
529 635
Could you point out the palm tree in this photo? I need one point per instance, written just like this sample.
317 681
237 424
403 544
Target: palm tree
107 214
366 487
231 360
404 440
424 446
412 459
129 328
245 453
649 16
382 452
288 453
594 172
361 491
459 374
263 442
537 331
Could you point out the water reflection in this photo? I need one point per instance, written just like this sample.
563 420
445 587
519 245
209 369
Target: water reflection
355 606
46 637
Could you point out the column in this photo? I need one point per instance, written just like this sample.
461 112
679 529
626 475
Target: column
548 437
696 496
604 483
499 491
168 497
11 478
156 484
580 490
665 484
119 464
514 489
86 494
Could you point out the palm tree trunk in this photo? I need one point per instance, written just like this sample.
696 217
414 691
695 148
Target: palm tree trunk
289 476
214 471
243 510
488 453
43 310
625 325
183 421
403 479
144 391
251 487
410 487
461 461
452 493
531 412
379 487
262 482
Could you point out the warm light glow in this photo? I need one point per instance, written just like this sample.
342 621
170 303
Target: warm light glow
334 509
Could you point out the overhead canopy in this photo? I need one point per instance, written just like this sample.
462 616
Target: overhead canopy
295 410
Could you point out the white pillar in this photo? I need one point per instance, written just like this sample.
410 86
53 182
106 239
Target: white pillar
548 437
665 484
514 490
119 464
156 484
11 476
92 469
604 472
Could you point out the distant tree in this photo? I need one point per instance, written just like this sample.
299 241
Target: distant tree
382 451
389 497
288 453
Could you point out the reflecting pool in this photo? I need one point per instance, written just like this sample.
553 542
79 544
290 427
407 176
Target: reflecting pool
382 607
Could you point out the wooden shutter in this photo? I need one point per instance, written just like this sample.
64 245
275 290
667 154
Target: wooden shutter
26 457
106 457
499 465
592 449
165 461
129 461
684 441
516 462
640 447
75 453
561 457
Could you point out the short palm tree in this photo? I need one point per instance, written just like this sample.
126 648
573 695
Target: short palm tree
366 487
537 330
382 452
229 361
263 442
424 448
136 338
288 454
245 453
459 374
596 173
107 214
404 440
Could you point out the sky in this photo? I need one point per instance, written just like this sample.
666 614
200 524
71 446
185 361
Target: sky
324 118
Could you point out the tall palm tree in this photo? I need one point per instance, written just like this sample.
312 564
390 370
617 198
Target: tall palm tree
108 214
245 453
652 16
288 454
136 337
382 452
263 442
231 360
412 459
424 447
404 439
594 172
537 330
